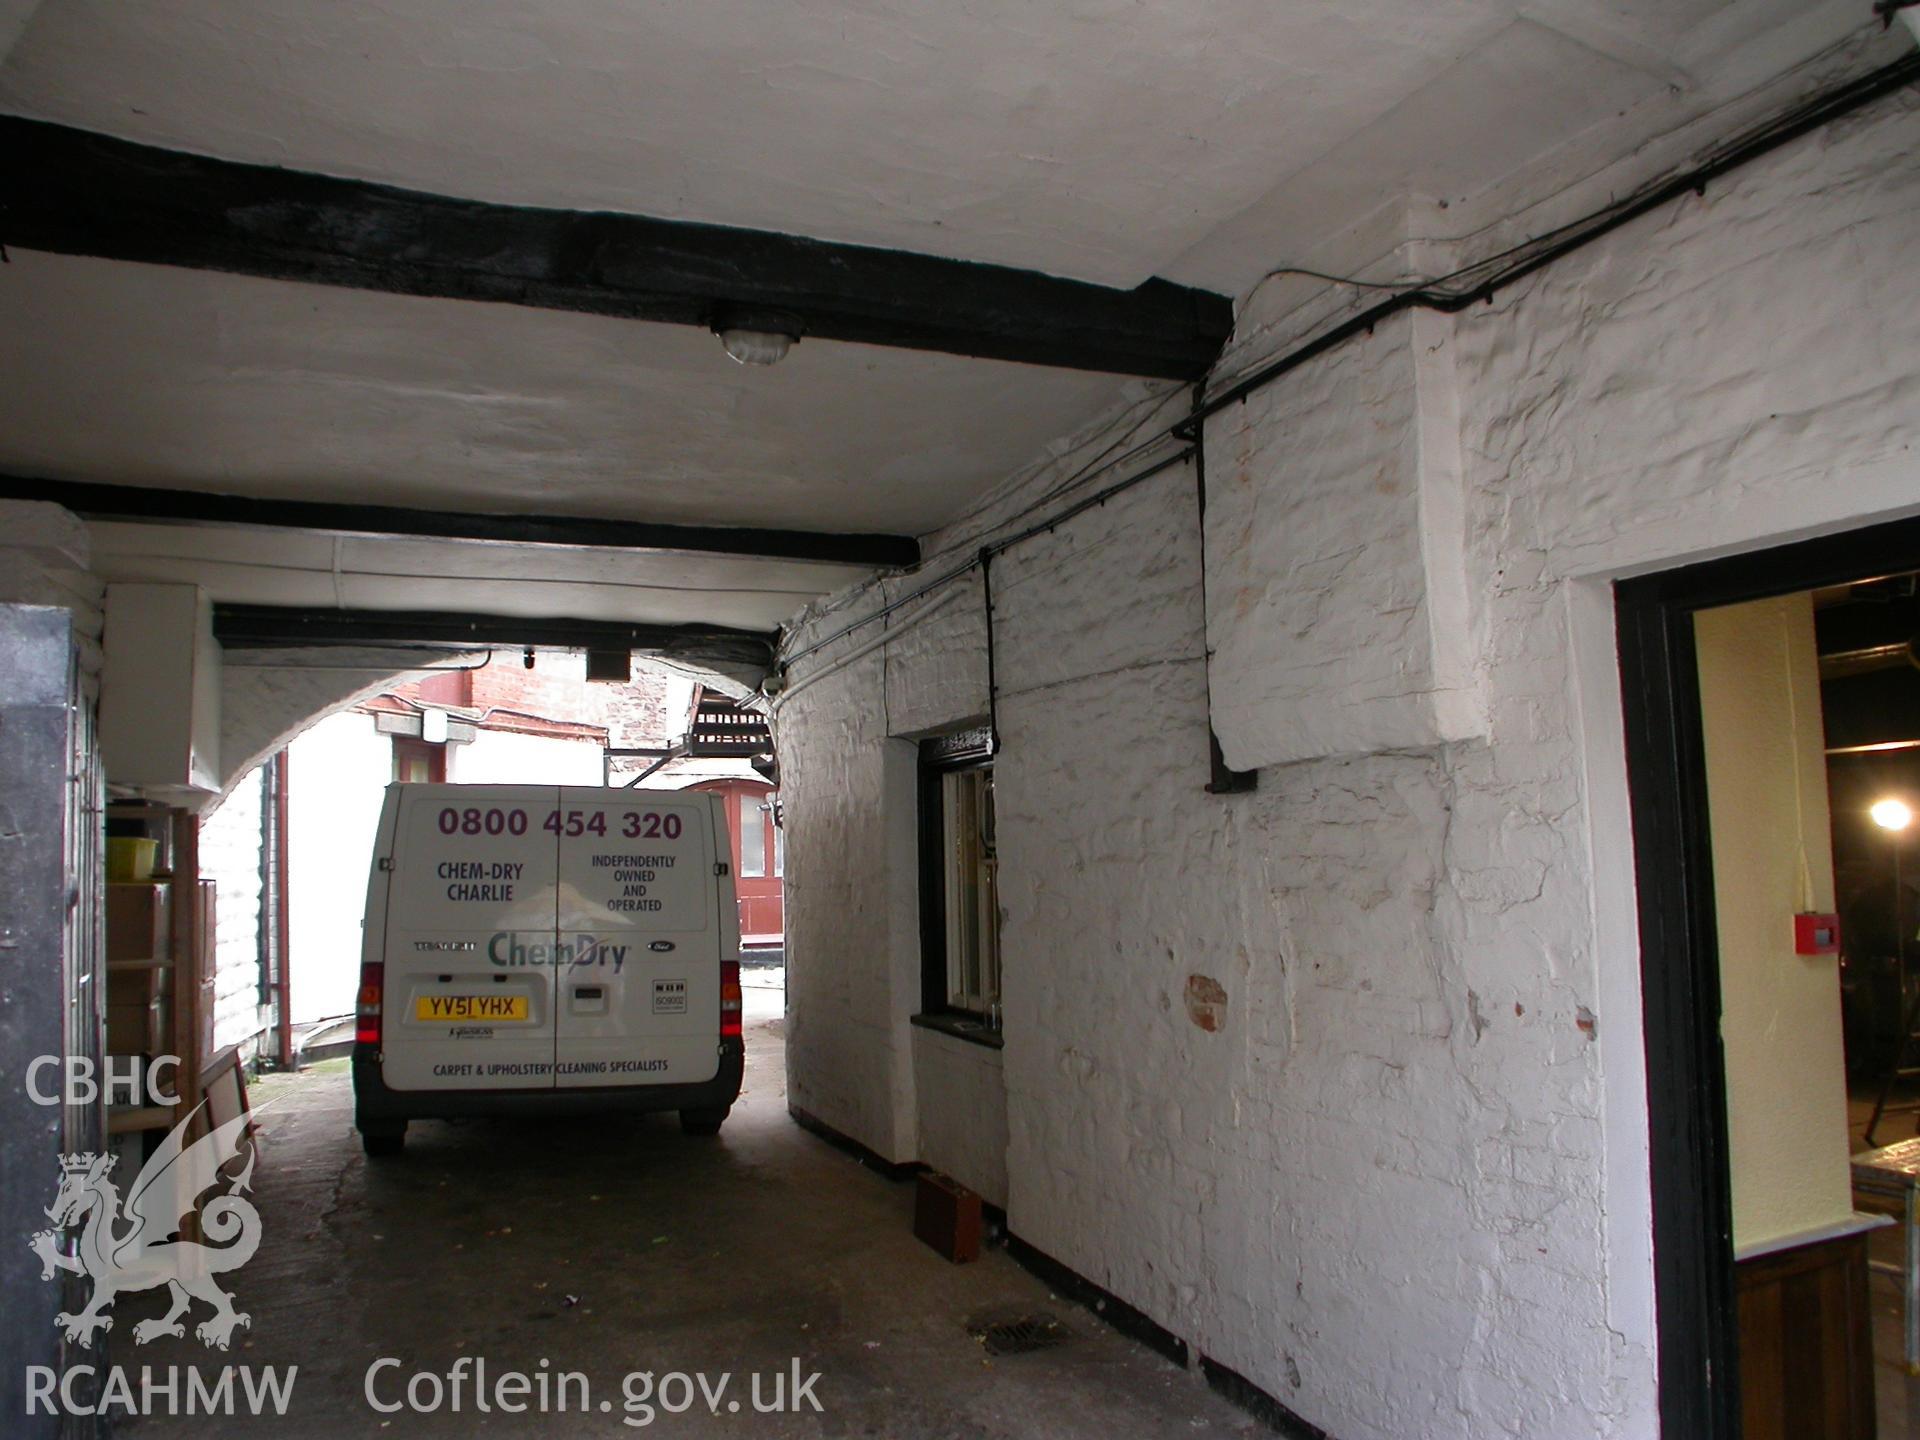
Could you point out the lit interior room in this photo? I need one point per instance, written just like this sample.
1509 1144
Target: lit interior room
1810 717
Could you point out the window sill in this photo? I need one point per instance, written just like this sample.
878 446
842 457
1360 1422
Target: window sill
960 1027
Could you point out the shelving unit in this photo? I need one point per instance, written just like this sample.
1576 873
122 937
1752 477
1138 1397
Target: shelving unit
160 959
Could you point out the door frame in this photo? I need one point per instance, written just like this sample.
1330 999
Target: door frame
733 791
1692 1192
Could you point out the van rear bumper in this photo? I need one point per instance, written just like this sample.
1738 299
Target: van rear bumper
374 1101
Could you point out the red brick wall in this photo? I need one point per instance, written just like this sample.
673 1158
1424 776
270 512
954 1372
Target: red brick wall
651 710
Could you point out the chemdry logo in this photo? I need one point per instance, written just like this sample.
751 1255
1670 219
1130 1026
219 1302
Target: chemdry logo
507 949
138 1244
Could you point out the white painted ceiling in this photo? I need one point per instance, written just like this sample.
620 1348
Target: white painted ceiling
1095 138
1108 140
1101 139
151 375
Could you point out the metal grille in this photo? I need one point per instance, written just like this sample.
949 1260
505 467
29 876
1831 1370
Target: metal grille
1020 1335
721 728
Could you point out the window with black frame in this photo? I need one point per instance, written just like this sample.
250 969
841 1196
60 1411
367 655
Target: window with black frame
960 902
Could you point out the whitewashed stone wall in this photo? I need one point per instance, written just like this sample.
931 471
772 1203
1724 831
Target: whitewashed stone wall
1339 591
267 697
963 1122
1401 1184
847 795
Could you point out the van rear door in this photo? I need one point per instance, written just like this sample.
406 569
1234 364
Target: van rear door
639 995
471 942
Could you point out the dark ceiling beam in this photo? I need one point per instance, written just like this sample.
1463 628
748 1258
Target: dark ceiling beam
146 505
1878 707
1879 615
73 192
288 627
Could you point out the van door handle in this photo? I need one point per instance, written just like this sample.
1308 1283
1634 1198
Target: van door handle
587 992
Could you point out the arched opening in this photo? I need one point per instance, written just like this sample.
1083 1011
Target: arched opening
287 844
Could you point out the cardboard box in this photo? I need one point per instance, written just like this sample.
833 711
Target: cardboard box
136 982
137 1028
138 922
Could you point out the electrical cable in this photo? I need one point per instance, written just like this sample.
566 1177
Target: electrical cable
1531 255
1357 284
1154 400
777 703
1793 749
993 678
1052 522
1520 261
1534 253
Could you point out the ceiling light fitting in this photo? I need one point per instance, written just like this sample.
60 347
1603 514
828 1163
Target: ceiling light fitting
756 347
1891 814
756 337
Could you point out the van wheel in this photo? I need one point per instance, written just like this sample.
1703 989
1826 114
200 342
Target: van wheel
702 1122
384 1140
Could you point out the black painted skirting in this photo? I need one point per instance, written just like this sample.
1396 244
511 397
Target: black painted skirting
1232 1385
1133 1323
1063 1280
872 1159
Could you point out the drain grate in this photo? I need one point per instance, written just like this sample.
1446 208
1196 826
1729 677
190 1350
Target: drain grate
1021 1335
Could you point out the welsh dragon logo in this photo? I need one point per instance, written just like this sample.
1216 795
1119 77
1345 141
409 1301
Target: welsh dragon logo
137 1245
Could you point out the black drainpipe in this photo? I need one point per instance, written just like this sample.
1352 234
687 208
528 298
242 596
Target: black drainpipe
993 684
1223 780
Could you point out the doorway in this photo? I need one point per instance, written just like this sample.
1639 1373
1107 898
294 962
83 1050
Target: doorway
759 862
1697 932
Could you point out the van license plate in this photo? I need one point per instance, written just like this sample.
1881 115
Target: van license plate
465 1009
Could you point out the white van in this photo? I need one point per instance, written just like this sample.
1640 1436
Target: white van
540 949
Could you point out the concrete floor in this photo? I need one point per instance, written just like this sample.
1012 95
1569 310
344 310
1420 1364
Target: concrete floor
739 1254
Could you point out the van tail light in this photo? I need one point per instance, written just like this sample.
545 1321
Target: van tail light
366 1008
729 998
